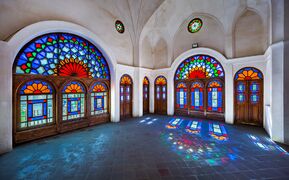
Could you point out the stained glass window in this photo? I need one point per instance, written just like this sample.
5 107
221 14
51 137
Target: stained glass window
181 95
73 101
241 88
161 80
199 66
36 104
98 99
197 96
248 73
62 54
119 26
126 80
215 94
195 25
254 92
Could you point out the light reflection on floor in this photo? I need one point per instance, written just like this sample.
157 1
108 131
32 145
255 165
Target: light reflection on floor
208 141
267 144
148 121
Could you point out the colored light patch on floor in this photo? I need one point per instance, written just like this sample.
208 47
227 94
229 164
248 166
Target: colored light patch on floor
194 127
174 123
197 148
218 131
267 144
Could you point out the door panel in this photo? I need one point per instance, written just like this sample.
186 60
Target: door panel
145 99
249 102
125 101
161 99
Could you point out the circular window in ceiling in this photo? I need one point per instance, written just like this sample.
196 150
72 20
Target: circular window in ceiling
119 26
195 25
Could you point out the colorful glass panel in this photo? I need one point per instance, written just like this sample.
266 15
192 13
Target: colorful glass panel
181 95
254 90
199 66
73 100
215 93
62 54
161 80
146 81
248 73
73 87
98 99
125 80
241 87
36 104
197 96
36 87
195 25
119 26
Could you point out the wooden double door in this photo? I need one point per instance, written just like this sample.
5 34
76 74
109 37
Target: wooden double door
161 99
249 102
146 98
125 101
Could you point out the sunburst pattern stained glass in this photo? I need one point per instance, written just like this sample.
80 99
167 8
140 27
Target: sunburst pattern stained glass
199 66
62 54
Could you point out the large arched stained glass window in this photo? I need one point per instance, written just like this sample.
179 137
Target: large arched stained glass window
36 104
199 66
73 101
62 54
98 99
215 96
181 95
197 96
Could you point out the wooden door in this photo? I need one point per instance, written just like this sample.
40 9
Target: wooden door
249 96
145 98
249 102
125 97
161 99
161 95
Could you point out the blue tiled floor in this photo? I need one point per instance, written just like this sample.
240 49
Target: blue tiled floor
143 148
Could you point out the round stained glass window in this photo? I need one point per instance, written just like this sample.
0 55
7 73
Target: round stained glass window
195 25
119 26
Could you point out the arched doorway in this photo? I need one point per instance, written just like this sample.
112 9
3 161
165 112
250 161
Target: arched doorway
146 95
126 86
57 69
199 87
249 96
161 95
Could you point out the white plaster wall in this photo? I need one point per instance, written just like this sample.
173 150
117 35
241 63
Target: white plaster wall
277 90
5 98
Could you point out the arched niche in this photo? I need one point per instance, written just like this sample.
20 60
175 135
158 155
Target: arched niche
211 35
249 35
